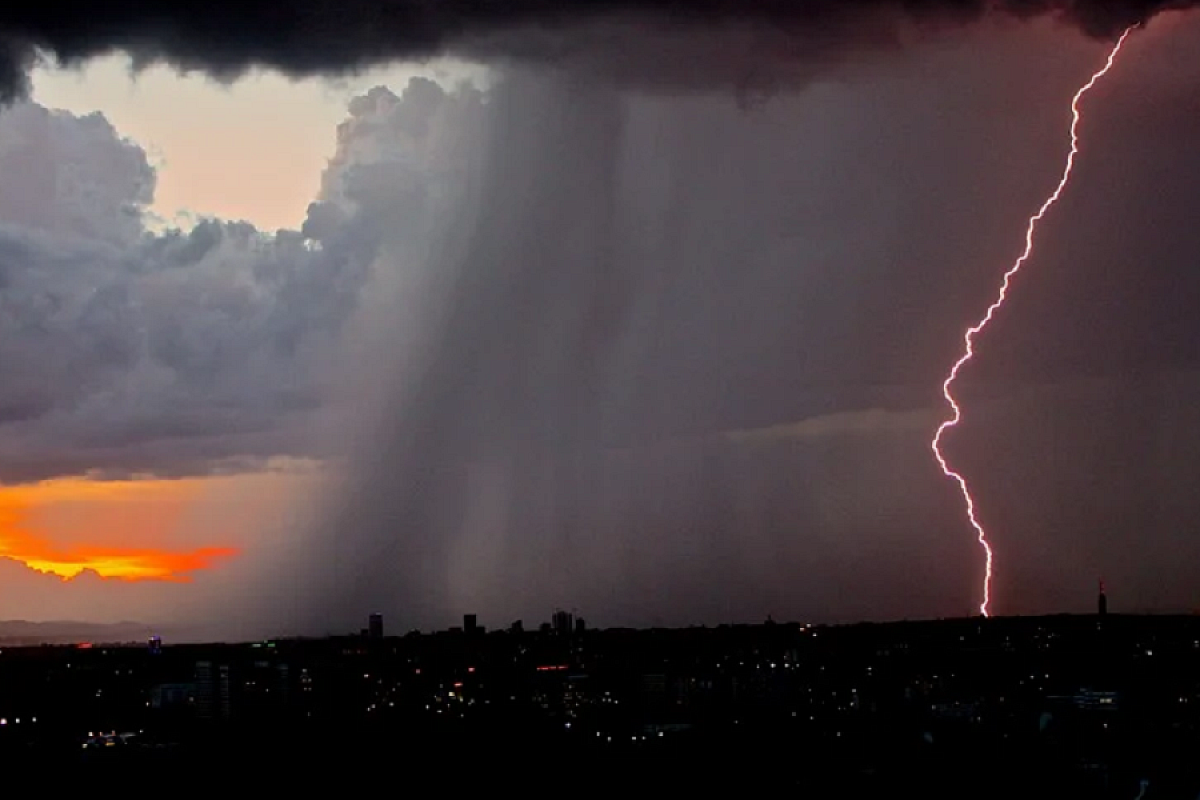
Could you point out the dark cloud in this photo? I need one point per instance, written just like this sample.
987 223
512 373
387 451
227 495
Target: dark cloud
226 38
682 362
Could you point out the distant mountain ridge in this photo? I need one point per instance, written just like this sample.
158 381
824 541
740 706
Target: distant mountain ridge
23 632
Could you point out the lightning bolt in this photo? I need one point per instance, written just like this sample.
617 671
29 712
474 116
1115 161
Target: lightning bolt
974 330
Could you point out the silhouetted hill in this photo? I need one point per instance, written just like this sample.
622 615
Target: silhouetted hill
22 632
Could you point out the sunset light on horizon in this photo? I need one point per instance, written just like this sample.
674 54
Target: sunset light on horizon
117 530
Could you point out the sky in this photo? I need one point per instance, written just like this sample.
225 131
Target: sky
650 322
251 150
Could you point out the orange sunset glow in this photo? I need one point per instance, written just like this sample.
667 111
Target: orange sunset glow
116 529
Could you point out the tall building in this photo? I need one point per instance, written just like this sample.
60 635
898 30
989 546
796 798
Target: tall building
562 622
1102 600
155 645
375 626
213 696
470 624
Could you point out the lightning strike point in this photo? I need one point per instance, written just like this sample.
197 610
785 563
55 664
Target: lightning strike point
974 330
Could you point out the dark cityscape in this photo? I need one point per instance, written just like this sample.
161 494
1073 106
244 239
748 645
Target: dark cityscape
1056 706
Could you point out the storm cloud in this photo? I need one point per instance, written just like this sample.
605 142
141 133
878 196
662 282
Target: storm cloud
632 37
683 360
664 356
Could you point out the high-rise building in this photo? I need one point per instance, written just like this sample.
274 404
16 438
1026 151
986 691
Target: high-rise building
213 695
1102 601
470 624
562 622
155 645
375 626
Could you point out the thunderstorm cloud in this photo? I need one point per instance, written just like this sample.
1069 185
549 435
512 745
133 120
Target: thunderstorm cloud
606 335
647 40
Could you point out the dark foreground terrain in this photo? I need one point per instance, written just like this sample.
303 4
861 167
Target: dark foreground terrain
1060 707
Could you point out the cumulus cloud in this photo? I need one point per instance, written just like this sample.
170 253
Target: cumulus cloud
623 36
126 351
